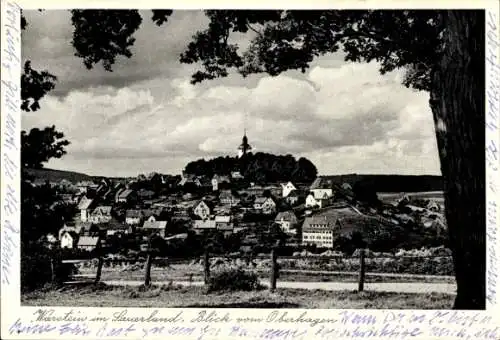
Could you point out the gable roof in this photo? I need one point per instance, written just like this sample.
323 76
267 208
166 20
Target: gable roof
103 210
288 216
325 222
125 193
154 224
207 224
207 203
222 219
88 241
85 203
261 200
72 233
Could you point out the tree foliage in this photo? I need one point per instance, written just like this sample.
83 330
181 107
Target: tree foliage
39 146
259 167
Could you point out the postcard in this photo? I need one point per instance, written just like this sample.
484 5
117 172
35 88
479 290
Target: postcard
250 170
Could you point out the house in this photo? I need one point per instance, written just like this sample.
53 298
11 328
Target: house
219 182
89 243
68 239
155 227
101 214
287 220
319 231
200 226
265 205
318 199
86 186
320 187
119 228
287 189
133 217
202 209
85 206
125 196
223 221
236 175
226 197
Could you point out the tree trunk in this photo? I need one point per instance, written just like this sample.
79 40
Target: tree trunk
457 102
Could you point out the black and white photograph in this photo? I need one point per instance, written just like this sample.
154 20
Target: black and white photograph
284 159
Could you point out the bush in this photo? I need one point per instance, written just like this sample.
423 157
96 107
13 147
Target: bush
233 280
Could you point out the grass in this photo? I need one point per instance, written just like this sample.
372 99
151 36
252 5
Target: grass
172 296
167 275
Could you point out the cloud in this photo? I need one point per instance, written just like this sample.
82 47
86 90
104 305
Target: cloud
146 116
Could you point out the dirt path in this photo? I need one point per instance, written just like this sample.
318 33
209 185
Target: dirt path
398 287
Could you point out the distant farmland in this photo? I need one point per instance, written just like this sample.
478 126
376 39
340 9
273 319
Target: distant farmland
391 196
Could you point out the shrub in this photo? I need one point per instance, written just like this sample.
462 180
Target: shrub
233 280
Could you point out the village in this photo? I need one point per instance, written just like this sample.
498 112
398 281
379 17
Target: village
123 215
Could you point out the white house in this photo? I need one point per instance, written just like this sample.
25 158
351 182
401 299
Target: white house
68 239
319 230
287 189
322 193
201 209
266 205
287 221
318 199
85 207
218 180
101 214
236 175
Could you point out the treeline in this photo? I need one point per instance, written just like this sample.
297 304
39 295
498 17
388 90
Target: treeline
392 183
259 167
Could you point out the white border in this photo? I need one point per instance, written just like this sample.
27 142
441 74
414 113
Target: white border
459 325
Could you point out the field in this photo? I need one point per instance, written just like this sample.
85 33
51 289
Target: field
172 296
392 196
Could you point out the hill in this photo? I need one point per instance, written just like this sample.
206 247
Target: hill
56 175
391 183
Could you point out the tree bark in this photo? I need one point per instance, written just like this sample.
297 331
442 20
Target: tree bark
457 102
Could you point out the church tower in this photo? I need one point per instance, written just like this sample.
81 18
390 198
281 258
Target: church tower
244 147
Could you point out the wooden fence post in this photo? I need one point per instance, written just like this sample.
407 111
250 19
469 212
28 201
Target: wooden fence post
206 266
147 273
274 270
52 270
361 282
100 263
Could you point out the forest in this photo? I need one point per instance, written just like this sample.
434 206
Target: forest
259 167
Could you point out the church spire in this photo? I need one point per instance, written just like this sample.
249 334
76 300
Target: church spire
244 147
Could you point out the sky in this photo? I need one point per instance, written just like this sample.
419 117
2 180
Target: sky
145 116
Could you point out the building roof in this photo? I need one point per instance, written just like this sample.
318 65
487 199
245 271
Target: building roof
288 216
103 210
312 223
85 203
223 219
72 233
88 241
261 200
207 203
154 224
207 224
125 193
